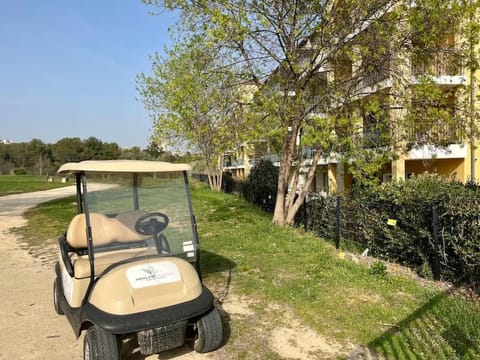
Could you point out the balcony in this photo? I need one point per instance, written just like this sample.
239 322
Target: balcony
375 139
425 152
445 66
442 134
234 163
314 106
375 74
274 158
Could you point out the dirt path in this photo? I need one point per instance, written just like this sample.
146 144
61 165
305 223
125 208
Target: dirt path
30 329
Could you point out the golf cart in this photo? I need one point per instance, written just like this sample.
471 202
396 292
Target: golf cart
129 262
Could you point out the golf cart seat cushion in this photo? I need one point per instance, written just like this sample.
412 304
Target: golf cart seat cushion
81 264
105 231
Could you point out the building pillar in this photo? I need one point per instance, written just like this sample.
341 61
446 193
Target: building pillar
398 168
336 178
471 169
245 156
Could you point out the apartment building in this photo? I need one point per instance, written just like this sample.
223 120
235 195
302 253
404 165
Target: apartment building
454 154
450 128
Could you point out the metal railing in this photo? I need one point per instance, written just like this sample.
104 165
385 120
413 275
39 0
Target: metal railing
434 133
441 62
376 74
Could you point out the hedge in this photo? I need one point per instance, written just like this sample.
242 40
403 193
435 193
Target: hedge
395 222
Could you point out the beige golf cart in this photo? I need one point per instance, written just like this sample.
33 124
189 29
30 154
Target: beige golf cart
129 261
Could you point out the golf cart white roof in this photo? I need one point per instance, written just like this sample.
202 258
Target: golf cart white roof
121 166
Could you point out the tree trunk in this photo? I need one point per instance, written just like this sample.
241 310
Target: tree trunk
279 211
298 202
214 180
287 205
40 165
288 150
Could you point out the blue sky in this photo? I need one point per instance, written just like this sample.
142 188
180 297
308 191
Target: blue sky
68 67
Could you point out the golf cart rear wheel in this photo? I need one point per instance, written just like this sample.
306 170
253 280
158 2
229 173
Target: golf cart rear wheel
99 344
56 297
209 332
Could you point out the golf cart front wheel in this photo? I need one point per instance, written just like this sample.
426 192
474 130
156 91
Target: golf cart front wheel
56 297
209 334
99 344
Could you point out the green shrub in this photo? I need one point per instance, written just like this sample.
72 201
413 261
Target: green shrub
408 239
20 171
228 183
261 185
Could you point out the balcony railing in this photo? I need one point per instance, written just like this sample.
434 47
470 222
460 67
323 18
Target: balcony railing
233 162
442 62
435 133
313 105
376 74
374 139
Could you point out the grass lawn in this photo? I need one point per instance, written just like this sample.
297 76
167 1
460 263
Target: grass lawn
16 184
340 299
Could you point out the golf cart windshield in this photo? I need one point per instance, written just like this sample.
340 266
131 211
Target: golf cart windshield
140 214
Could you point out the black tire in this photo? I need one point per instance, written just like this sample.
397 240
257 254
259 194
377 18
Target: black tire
99 344
209 334
56 297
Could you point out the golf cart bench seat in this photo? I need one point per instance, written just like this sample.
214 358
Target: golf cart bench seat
81 265
105 231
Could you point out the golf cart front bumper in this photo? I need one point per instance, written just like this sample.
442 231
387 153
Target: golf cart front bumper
147 320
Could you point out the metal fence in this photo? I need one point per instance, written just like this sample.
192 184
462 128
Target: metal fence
376 226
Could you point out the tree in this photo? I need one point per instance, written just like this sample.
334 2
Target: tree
110 151
92 148
39 156
192 99
96 149
132 153
18 155
312 63
67 149
36 157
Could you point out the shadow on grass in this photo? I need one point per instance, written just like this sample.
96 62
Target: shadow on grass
216 264
442 328
213 263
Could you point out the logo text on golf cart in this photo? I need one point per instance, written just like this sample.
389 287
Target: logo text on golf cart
153 274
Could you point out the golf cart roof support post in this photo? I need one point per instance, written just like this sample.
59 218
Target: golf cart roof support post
78 182
136 205
193 221
89 236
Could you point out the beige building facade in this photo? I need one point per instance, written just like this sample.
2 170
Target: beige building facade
457 155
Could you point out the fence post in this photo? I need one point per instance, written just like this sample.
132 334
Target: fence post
436 241
305 225
337 222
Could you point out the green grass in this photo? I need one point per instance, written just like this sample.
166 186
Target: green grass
396 316
16 184
48 221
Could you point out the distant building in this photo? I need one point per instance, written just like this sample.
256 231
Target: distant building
5 141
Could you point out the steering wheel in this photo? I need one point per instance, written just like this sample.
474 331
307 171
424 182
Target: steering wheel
151 223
